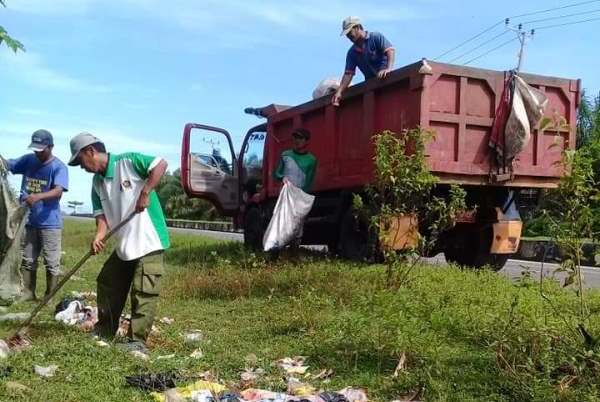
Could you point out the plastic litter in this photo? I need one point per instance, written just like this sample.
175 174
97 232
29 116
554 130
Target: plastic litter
194 337
197 354
46 372
292 365
186 392
4 349
153 382
167 320
139 355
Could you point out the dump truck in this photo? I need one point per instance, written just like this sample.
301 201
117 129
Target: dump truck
457 103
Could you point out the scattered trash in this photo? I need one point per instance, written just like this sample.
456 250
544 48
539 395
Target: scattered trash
324 375
153 382
165 357
71 311
19 343
167 320
4 349
193 337
171 395
354 394
332 397
102 344
71 314
124 326
16 387
186 392
292 365
14 317
250 375
197 354
89 296
297 388
140 355
256 395
46 372
202 396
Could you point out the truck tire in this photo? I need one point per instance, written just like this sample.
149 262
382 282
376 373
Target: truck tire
471 248
253 229
356 240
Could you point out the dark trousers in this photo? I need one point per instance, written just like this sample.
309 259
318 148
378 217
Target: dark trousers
141 279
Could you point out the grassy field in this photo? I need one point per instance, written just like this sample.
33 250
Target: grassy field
465 336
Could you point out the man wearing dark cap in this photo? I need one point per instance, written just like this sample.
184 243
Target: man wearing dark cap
297 165
45 178
371 52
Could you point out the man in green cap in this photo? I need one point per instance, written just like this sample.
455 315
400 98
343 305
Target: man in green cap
124 184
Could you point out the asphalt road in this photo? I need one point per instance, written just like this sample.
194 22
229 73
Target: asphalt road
514 269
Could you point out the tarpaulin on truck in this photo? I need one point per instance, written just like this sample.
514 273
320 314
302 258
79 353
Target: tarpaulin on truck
520 110
12 224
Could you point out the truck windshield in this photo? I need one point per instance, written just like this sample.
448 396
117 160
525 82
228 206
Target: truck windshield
253 162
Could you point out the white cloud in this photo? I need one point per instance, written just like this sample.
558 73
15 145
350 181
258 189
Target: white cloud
30 67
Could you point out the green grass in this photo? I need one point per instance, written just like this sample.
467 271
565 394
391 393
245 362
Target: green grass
467 336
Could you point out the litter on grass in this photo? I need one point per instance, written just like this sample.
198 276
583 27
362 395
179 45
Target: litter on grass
46 372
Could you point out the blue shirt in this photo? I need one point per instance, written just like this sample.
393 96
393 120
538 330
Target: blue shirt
41 177
369 56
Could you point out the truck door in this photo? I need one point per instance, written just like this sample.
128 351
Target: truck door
209 167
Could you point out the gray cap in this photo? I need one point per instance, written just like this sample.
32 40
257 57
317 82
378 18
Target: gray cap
79 142
40 140
348 24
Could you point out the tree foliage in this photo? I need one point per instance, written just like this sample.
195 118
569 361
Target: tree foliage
177 205
5 38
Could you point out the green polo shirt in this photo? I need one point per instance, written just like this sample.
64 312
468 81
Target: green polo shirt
115 194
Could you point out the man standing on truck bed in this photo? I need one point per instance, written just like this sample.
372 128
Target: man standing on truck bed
122 184
371 52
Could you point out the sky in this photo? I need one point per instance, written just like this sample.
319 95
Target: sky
133 72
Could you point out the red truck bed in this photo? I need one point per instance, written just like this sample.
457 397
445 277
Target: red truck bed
457 102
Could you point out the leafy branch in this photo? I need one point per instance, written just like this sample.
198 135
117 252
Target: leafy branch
5 38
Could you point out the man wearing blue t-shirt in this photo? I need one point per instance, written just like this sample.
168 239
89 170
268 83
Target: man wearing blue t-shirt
45 178
371 52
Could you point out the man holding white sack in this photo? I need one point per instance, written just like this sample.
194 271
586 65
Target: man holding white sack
296 169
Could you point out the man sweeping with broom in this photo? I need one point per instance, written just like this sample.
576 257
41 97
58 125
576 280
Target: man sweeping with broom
123 184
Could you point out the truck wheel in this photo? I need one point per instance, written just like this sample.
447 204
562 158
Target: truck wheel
253 229
471 248
356 242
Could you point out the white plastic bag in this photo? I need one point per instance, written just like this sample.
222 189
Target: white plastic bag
292 207
326 87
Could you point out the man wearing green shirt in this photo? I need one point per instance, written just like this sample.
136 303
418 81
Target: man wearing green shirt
297 165
122 184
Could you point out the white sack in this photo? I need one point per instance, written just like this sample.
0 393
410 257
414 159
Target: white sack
293 205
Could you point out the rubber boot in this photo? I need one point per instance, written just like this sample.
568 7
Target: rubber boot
51 282
29 282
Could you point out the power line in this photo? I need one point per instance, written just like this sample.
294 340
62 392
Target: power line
555 8
490 51
566 23
470 39
560 16
488 29
479 46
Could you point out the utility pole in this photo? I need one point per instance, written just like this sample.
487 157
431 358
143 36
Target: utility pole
522 36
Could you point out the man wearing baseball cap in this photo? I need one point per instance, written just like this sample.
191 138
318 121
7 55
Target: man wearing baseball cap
122 184
45 178
371 52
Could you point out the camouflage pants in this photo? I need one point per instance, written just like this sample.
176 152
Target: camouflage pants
141 279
